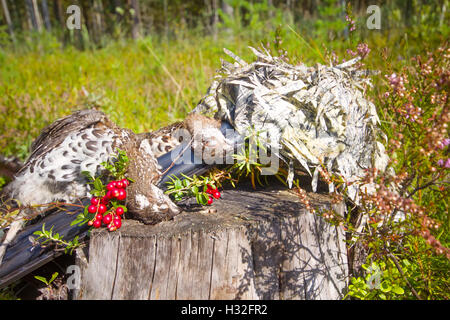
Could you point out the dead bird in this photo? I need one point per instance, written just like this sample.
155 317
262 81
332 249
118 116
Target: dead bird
85 139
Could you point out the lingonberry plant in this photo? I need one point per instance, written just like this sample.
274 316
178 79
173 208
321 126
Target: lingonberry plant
49 236
107 205
202 188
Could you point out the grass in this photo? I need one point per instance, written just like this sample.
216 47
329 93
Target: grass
141 85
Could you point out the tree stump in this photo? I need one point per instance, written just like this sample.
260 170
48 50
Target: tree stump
247 245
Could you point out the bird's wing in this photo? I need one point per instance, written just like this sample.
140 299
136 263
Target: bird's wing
163 140
55 133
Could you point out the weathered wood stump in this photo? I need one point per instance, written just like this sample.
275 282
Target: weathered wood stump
248 245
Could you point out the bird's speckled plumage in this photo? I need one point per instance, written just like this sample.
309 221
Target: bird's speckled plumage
81 142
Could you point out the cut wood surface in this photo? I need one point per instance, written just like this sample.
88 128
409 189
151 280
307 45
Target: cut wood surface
247 245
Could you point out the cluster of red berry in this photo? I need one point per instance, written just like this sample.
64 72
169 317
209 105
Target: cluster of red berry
113 217
213 193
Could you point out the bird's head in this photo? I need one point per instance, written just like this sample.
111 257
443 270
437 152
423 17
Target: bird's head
207 139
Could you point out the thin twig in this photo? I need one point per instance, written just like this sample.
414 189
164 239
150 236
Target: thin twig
399 268
429 183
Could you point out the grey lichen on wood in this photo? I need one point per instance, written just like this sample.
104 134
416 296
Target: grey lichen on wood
248 245
316 115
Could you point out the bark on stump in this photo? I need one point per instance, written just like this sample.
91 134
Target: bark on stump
248 245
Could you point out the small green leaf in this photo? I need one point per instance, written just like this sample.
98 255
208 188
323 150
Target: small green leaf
87 174
385 286
54 275
98 185
41 279
197 197
202 198
76 221
398 290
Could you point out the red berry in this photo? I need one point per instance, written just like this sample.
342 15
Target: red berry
90 223
101 208
216 194
112 228
99 217
119 211
115 193
105 199
111 186
107 218
210 189
95 201
122 194
210 200
97 223
119 184
125 183
117 222
92 209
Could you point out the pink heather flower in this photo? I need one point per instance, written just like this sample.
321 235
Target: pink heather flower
440 162
393 79
352 28
386 94
352 53
446 142
442 144
397 83
447 163
363 50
